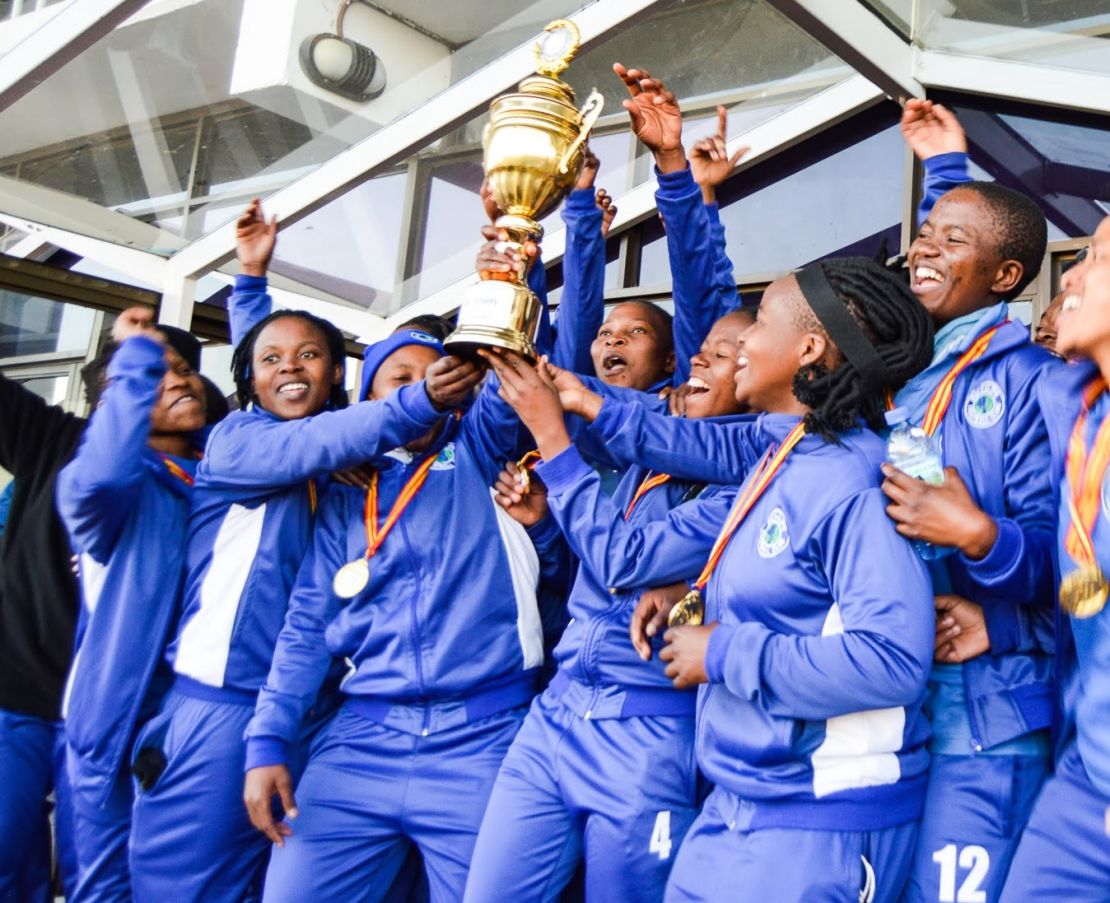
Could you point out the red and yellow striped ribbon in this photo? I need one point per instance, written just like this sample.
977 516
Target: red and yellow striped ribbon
375 536
942 395
1085 476
648 484
176 469
764 473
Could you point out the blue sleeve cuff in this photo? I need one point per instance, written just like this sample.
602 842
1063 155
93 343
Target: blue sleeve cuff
952 167
675 184
1003 558
743 665
250 283
415 402
713 211
715 655
266 751
564 470
582 200
137 352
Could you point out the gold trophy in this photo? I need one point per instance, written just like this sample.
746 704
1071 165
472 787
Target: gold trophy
534 144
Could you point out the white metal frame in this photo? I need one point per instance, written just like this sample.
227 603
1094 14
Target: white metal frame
886 64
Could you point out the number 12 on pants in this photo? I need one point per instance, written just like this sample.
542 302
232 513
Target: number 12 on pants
973 859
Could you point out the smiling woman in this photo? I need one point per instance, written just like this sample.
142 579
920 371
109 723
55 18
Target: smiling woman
634 348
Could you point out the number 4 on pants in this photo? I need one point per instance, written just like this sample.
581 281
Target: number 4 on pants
661 836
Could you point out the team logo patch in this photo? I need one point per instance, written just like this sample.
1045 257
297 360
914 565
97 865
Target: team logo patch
445 460
985 405
773 535
423 337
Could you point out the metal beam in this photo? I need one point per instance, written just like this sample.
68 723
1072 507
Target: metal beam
1062 88
60 39
861 39
772 137
398 140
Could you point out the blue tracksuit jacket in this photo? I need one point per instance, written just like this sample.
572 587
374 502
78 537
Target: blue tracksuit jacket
252 521
595 649
808 628
994 435
126 515
1083 660
450 612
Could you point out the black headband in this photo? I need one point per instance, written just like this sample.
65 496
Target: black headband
842 328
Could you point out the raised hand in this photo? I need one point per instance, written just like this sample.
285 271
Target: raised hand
524 500
499 258
656 117
450 380
573 394
608 210
710 162
931 129
590 166
255 239
534 398
136 320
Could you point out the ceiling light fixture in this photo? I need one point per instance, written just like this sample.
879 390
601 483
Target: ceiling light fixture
338 64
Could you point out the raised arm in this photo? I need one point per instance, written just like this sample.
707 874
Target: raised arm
94 489
582 306
255 237
247 450
28 427
620 554
937 139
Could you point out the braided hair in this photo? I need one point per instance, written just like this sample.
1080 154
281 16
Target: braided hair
244 355
895 323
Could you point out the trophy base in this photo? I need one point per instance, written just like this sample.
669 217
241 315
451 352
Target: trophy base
496 315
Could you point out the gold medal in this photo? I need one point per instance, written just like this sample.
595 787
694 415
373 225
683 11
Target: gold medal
1083 592
689 612
351 579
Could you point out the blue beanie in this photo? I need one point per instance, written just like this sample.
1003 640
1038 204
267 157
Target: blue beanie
374 355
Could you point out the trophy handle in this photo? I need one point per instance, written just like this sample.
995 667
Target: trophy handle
589 113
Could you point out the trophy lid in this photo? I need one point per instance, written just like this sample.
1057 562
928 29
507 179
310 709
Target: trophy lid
556 47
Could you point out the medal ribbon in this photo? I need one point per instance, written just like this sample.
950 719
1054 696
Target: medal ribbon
312 496
942 394
765 472
1085 476
375 536
648 484
176 469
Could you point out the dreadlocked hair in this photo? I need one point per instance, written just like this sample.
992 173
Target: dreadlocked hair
244 355
895 323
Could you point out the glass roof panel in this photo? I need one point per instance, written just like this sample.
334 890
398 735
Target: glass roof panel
177 117
740 53
1066 34
896 13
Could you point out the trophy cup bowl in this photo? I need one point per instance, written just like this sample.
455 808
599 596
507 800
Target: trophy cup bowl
533 146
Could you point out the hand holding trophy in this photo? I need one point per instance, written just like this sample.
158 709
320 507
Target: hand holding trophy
534 145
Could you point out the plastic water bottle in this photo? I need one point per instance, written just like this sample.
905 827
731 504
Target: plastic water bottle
912 451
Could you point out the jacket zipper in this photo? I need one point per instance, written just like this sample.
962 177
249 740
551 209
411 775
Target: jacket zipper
414 629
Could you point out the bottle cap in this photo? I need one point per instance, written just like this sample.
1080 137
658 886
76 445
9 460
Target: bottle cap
898 415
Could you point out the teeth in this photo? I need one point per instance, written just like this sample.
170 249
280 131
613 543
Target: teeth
923 272
293 387
695 382
742 361
1071 302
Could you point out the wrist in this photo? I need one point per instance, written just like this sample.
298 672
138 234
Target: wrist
590 406
551 440
670 159
982 533
253 269
708 193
